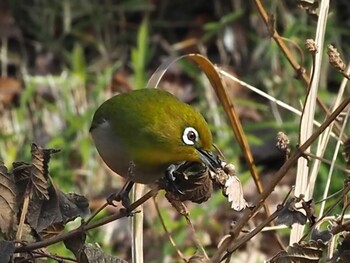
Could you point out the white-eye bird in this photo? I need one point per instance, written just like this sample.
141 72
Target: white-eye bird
143 134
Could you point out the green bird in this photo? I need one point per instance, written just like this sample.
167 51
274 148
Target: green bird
143 135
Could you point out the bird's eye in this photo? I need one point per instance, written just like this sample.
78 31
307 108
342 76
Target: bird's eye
190 136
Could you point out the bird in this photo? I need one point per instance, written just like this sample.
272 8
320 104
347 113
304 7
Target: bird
145 134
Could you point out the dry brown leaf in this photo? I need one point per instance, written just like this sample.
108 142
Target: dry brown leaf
97 255
59 208
305 252
52 230
8 205
87 253
48 206
39 171
289 215
198 258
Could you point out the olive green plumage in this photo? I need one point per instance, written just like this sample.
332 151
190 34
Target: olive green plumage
140 133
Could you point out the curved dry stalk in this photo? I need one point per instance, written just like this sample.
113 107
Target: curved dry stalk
219 86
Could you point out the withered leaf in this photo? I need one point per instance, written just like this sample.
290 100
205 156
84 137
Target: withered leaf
59 208
40 171
195 183
48 206
309 208
76 244
8 205
198 258
234 192
97 255
21 173
52 230
322 236
36 173
311 7
231 186
192 179
72 205
304 252
86 253
288 214
6 250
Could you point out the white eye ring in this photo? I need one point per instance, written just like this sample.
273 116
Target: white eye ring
190 136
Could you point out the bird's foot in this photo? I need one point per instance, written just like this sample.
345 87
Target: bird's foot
130 213
111 198
122 196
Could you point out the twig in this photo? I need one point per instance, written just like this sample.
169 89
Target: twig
323 160
259 228
300 71
328 182
114 194
251 234
277 178
346 189
178 251
84 228
96 212
195 237
24 212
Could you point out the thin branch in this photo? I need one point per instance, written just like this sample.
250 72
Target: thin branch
84 228
277 178
300 71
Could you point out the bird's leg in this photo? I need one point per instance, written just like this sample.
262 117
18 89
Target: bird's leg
170 177
122 195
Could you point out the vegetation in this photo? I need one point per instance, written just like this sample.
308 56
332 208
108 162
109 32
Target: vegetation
279 62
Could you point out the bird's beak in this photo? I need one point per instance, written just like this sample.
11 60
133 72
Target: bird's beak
209 159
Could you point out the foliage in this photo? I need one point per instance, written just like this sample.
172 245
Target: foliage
61 59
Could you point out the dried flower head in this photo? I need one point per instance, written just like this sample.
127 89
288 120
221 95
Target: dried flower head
282 143
311 46
334 58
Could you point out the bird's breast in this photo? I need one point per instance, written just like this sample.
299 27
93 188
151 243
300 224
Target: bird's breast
113 151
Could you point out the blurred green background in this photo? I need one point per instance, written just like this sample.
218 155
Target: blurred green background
61 59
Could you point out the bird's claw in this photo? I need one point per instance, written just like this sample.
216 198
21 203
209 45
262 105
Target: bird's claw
122 196
129 213
111 198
